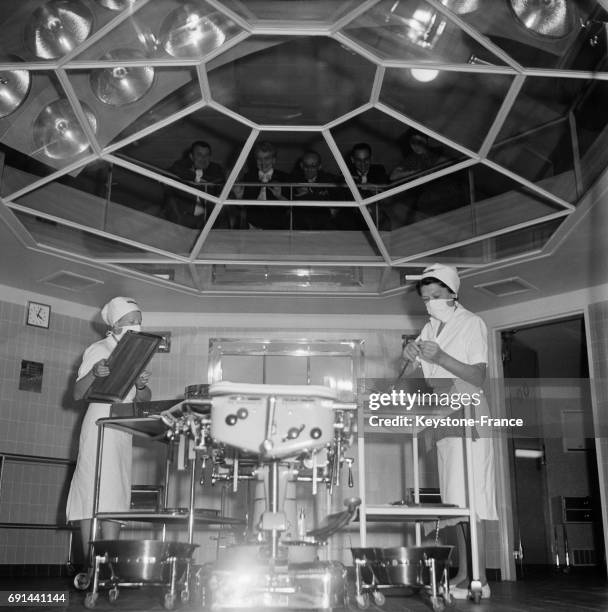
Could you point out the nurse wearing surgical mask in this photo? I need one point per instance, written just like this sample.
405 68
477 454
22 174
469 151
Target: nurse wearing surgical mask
452 350
120 314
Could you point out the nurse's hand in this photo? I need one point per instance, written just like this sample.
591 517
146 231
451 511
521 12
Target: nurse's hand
411 351
430 351
142 380
100 369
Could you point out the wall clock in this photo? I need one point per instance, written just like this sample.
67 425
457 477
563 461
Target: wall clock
38 315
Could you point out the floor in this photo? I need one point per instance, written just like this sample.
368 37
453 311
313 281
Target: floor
574 592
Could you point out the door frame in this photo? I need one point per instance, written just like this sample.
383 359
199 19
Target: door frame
503 469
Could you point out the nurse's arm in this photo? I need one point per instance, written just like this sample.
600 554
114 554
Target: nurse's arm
474 374
82 385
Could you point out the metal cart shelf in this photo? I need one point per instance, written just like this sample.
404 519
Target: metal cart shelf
416 512
150 428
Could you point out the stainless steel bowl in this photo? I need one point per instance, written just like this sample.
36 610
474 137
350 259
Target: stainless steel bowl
371 565
407 565
300 551
145 560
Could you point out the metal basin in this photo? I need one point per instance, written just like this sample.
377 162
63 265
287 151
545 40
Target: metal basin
145 560
371 565
299 551
410 565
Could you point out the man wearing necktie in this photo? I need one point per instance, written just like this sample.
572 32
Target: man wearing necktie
315 185
266 177
366 175
195 169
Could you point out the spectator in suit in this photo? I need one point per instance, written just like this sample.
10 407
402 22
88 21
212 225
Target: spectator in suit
366 174
309 173
197 170
269 188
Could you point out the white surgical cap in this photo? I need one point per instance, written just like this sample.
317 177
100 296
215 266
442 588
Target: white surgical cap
117 308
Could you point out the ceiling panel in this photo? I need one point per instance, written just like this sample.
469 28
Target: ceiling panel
297 81
459 105
415 31
486 123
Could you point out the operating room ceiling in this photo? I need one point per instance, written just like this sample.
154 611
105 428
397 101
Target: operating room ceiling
98 98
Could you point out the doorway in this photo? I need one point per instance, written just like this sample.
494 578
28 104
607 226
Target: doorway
553 466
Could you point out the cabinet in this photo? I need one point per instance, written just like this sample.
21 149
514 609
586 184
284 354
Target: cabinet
406 424
573 530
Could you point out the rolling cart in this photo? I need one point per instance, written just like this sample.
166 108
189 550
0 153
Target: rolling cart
422 568
419 568
151 563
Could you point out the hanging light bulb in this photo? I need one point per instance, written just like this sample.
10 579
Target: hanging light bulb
14 87
188 31
424 75
552 18
57 27
120 85
57 132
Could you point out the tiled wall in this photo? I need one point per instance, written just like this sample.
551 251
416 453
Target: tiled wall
41 424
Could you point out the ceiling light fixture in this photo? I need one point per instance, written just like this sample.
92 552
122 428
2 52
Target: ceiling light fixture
120 85
189 32
57 27
423 28
551 18
57 132
14 87
424 75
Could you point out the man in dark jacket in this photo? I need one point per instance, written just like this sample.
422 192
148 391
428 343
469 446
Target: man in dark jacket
197 170
267 188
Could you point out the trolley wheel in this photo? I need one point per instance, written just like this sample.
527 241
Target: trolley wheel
90 600
448 599
438 604
113 594
476 597
379 598
169 601
362 600
82 581
184 596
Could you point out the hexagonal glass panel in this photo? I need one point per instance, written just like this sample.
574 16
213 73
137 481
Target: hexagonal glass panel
74 240
460 105
301 162
395 30
563 34
168 29
301 279
537 140
44 134
198 151
111 199
128 99
382 152
510 244
46 31
591 119
324 11
263 233
177 274
290 81
457 207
